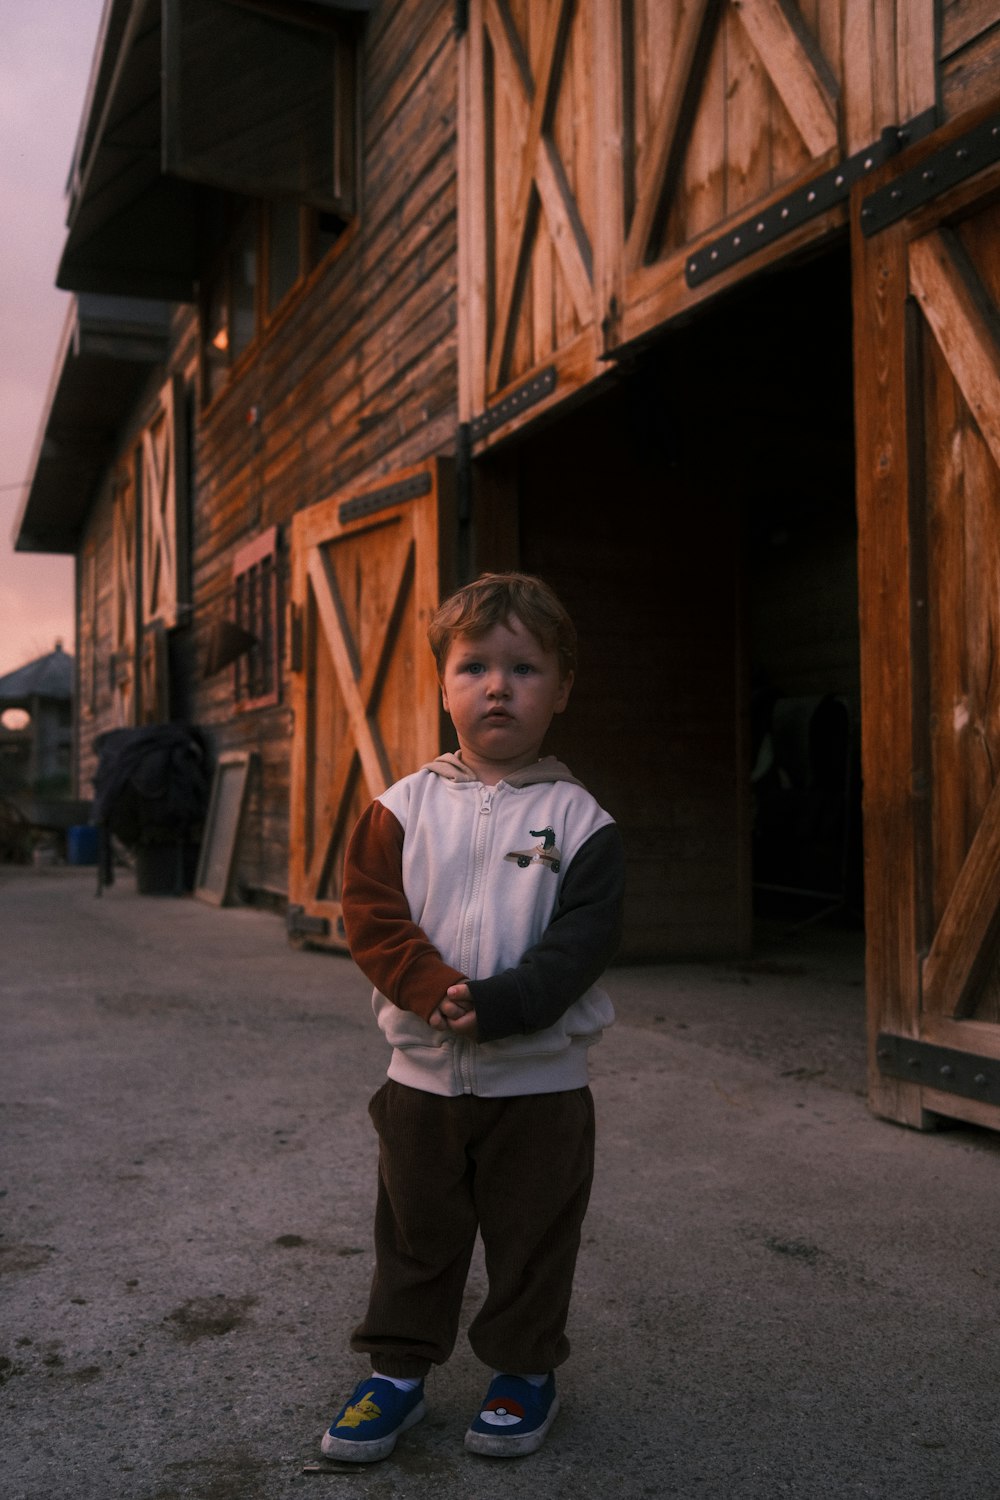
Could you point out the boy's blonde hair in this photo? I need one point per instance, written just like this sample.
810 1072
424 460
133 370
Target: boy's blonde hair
493 599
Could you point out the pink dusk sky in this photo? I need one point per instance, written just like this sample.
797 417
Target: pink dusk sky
45 57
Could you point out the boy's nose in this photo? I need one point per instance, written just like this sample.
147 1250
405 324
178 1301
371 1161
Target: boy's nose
497 685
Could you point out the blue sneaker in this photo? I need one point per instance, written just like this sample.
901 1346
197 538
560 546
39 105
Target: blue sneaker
368 1424
514 1417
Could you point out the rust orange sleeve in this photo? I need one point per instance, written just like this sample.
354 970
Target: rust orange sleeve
385 942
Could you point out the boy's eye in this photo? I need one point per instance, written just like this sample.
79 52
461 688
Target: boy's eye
523 668
474 667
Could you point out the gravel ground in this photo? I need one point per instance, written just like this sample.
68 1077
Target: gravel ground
778 1294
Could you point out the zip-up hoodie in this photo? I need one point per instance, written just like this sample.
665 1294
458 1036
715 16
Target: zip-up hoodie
515 888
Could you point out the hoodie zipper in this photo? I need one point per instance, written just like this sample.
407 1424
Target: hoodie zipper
470 929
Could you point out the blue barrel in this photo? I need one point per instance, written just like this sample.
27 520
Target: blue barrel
82 844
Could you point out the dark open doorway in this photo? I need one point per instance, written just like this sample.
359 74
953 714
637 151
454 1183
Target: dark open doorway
698 517
802 596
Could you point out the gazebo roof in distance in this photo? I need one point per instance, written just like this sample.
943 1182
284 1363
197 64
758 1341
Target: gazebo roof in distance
48 676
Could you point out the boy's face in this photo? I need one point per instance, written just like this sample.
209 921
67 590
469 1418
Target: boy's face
501 690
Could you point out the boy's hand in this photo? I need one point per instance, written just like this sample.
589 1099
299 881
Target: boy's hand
456 1013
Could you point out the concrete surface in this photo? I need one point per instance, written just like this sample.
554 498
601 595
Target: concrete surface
779 1295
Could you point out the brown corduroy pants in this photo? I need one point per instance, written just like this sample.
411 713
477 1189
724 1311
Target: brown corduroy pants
519 1170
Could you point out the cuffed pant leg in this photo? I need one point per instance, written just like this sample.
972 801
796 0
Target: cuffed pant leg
534 1169
425 1230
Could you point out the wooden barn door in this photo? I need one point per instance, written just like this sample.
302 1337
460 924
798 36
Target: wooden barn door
927 360
366 573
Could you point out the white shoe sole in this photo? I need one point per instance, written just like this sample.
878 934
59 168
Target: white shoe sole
358 1452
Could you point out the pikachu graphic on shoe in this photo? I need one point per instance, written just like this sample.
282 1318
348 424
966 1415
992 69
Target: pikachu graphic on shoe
368 1424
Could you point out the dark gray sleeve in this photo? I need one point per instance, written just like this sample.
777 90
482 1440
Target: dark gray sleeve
575 949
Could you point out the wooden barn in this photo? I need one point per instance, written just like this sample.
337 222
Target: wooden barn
690 306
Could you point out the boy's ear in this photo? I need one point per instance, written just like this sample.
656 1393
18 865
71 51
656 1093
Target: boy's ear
562 697
444 696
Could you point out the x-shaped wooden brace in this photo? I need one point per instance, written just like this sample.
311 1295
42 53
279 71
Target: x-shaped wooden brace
542 170
157 466
793 64
360 685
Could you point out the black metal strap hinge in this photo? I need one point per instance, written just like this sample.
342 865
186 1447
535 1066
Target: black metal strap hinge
943 1068
527 395
951 165
815 198
298 924
389 494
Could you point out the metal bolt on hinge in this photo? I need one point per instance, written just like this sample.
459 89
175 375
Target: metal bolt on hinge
947 1071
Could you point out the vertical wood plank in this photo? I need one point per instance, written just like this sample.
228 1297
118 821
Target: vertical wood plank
982 623
858 77
946 608
880 361
916 60
606 69
472 217
827 25
884 78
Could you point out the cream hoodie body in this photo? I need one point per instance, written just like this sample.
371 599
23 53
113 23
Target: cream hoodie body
515 888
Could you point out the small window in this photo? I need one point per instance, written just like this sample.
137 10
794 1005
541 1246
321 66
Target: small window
284 250
257 673
215 340
243 287
263 257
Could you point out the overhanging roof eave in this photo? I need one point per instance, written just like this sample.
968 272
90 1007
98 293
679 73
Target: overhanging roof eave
107 348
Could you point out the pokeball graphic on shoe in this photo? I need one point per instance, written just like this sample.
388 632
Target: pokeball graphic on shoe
502 1412
514 1417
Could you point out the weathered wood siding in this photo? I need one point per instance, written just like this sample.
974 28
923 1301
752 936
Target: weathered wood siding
969 56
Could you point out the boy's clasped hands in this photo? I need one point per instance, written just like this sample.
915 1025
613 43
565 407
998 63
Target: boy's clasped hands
456 1013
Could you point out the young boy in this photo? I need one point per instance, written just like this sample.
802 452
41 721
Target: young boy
482 898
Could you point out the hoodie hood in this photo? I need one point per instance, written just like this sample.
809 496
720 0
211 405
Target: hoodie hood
451 767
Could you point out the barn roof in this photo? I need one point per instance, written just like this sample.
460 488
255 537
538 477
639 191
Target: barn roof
146 154
48 676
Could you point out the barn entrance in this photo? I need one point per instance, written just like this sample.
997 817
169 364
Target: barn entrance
698 517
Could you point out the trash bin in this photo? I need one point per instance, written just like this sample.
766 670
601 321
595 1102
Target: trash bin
82 844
